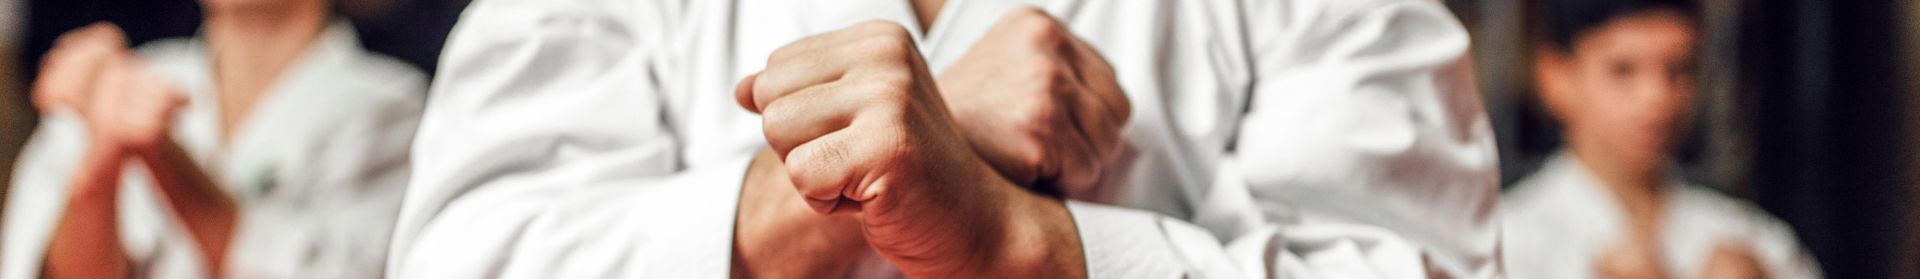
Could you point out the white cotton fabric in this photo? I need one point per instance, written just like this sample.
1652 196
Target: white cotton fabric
317 167
1559 220
1274 138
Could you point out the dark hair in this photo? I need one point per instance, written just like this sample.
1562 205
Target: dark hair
1563 21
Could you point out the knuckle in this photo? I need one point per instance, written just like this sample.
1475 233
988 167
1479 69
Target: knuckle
894 117
1122 109
783 54
1046 75
802 173
764 85
776 113
899 149
886 48
882 39
1033 160
1027 10
1039 108
1039 29
1035 131
890 87
825 154
880 27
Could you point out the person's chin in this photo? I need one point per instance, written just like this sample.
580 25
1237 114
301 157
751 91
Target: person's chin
1650 153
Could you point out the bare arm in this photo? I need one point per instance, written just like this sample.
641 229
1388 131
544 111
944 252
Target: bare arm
86 242
777 236
129 114
894 160
86 238
196 199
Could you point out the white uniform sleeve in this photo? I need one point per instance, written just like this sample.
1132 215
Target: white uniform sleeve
1363 153
546 153
39 193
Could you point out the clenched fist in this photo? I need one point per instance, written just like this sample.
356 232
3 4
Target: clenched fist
1631 258
1731 260
91 72
1038 103
862 129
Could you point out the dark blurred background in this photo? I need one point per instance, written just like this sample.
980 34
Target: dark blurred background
1808 107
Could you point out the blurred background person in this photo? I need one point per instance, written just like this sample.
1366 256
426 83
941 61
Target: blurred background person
1802 108
1620 78
269 145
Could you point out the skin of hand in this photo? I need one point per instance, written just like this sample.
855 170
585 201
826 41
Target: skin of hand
862 130
72 67
84 63
129 114
1037 103
86 241
1732 261
778 236
1631 259
91 71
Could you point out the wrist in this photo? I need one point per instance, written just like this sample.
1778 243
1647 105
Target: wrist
99 172
1037 236
777 236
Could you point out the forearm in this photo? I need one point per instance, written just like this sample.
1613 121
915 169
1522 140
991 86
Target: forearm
775 236
999 231
1039 238
208 212
86 241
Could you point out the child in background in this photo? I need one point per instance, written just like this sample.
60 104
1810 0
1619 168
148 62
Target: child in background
1619 77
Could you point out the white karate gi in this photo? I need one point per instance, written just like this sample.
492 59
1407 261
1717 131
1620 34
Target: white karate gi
1320 138
1557 223
317 167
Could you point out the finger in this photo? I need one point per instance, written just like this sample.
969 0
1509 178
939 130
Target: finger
743 93
1012 157
1079 161
85 35
828 169
828 206
1102 110
799 65
103 33
112 34
1091 119
808 114
100 35
69 74
169 102
112 95
1072 158
145 103
785 79
1092 69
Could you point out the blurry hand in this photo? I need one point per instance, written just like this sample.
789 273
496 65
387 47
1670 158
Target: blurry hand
861 129
91 72
1631 259
132 107
127 112
1732 261
74 65
1037 103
